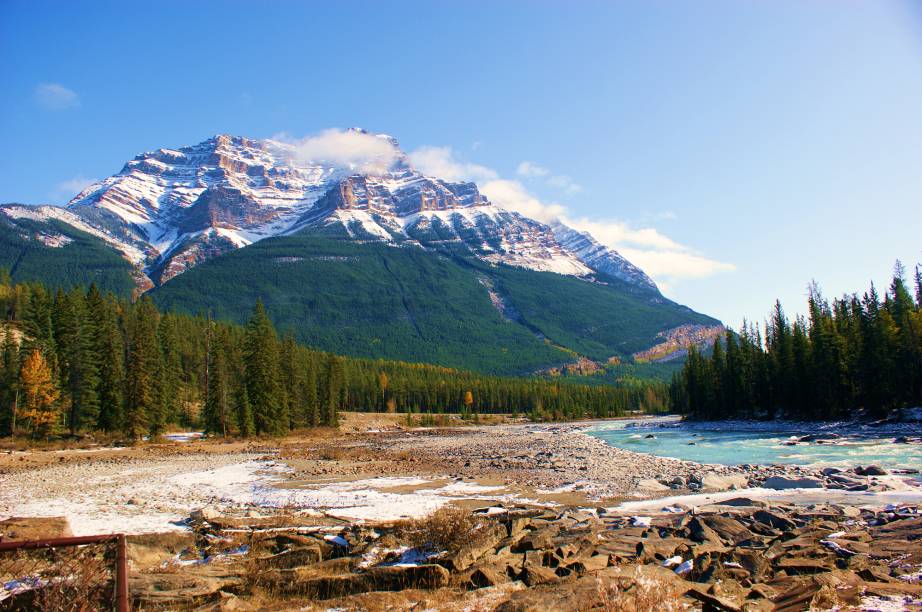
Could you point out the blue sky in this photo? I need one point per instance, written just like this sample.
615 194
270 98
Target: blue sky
735 150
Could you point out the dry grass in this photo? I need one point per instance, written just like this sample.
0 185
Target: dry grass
64 578
447 528
640 595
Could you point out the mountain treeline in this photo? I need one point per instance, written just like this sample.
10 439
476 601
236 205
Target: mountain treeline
79 360
856 356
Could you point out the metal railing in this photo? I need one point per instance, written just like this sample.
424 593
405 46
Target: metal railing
65 573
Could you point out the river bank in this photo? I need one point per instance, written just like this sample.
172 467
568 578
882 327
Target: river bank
386 474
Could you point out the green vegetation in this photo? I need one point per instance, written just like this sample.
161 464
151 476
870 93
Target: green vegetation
593 319
83 261
80 360
378 301
856 356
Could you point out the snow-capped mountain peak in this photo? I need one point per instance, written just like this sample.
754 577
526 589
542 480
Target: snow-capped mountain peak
170 209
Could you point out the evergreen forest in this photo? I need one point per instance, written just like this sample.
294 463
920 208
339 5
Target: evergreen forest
859 356
79 360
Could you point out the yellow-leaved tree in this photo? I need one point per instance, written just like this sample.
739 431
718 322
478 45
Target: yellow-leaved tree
39 405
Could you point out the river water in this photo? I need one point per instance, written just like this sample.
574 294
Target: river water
738 443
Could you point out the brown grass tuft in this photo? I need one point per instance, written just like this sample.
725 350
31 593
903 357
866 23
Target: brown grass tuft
640 595
448 528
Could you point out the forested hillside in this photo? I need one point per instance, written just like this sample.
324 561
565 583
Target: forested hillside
402 302
80 360
60 255
856 356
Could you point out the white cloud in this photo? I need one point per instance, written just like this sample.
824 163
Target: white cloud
66 190
54 96
664 259
440 162
514 196
531 170
352 149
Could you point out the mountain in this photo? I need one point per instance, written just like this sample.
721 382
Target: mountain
374 259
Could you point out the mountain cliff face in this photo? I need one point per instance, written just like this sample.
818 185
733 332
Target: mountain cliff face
170 209
378 261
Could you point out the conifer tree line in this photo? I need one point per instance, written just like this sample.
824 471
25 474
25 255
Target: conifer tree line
858 356
79 361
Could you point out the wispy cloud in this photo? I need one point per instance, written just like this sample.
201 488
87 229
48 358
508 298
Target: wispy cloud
663 258
352 149
442 163
66 190
54 96
531 170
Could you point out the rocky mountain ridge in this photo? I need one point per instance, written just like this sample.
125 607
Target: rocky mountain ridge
171 209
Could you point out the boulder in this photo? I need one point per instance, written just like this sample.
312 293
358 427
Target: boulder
774 520
729 529
482 543
725 482
819 437
649 484
538 574
781 483
871 470
292 558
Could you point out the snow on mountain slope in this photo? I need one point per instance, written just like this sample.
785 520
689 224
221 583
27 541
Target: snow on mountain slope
170 209
599 257
46 213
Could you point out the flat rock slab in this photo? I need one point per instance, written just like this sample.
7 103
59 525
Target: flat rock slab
780 483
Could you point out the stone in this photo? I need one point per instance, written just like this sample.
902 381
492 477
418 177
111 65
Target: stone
35 528
487 576
729 529
649 484
205 514
389 578
800 565
537 574
871 470
590 564
774 520
536 541
713 602
726 482
781 483
819 437
742 502
482 543
290 559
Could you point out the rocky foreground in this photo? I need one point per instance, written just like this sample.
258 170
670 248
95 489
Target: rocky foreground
740 554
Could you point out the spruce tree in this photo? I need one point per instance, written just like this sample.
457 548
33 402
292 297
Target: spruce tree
9 380
334 391
142 412
109 354
261 355
217 404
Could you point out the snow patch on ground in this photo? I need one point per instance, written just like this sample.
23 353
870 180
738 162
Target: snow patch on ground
158 496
